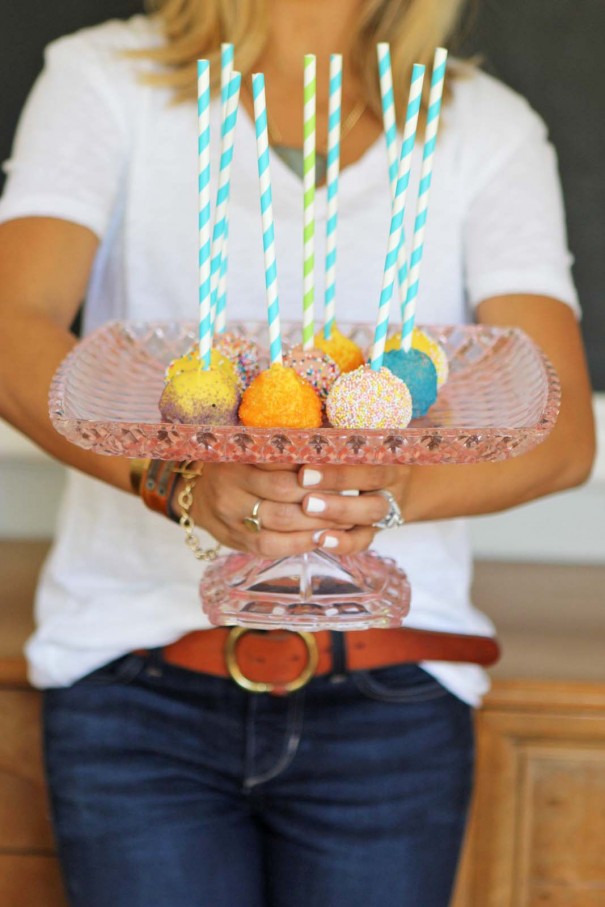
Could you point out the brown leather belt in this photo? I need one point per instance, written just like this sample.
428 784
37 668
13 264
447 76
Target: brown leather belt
281 661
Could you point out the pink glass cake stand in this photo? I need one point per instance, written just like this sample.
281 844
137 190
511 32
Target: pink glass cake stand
501 400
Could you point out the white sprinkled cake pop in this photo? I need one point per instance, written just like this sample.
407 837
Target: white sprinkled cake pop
368 398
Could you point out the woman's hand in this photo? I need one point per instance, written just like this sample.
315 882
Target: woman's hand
343 496
226 493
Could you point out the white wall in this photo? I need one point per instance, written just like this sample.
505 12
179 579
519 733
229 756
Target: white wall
568 527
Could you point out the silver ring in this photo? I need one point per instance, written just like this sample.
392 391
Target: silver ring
252 522
394 518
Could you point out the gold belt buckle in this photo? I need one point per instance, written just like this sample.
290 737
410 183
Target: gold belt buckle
255 686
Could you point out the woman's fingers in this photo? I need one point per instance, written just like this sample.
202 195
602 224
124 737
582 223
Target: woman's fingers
345 542
345 478
344 510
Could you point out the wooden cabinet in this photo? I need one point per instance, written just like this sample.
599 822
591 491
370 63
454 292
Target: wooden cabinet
537 832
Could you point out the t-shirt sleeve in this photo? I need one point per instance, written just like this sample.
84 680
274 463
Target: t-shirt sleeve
70 145
514 232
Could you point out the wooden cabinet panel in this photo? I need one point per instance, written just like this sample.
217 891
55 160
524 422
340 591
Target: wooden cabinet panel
538 824
24 822
30 882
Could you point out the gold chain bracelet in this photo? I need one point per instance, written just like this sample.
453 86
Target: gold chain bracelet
185 499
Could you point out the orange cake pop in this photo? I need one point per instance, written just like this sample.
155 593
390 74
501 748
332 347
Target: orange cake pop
279 398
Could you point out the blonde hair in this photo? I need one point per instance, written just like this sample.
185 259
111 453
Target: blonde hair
196 28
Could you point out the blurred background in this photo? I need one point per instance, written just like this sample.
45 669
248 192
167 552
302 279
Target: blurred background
550 51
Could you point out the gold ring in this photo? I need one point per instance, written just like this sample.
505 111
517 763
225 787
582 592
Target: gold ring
253 522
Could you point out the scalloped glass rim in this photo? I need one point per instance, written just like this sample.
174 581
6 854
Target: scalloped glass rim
501 400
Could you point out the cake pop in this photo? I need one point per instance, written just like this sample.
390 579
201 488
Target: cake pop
417 371
201 396
366 398
279 397
190 362
345 352
316 367
243 353
426 344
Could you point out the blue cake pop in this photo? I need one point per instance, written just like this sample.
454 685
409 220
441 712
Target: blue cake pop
417 371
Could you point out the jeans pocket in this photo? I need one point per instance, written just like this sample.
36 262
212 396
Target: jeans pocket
399 683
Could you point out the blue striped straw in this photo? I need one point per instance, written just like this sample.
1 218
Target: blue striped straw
385 74
266 207
220 320
230 111
390 134
397 215
430 144
309 178
203 108
334 117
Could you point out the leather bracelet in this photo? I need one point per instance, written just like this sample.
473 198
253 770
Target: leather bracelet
156 485
138 468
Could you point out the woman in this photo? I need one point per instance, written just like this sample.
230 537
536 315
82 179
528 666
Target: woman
170 784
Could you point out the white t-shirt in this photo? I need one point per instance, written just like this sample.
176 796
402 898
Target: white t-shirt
97 147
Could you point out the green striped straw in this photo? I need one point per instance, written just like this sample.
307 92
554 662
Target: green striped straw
203 107
397 216
220 322
426 176
334 117
309 201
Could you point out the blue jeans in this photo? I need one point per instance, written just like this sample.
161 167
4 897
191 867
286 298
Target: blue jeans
171 788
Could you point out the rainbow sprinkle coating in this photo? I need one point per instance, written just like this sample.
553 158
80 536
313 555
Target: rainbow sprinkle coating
368 398
243 353
316 367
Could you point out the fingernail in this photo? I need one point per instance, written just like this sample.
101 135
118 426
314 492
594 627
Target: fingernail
350 492
329 542
311 477
315 505
317 536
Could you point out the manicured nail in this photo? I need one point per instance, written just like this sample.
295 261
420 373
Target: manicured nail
317 536
350 492
311 477
315 505
329 542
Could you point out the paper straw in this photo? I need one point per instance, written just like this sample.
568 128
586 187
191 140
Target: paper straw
397 215
221 294
220 322
390 134
334 117
266 207
309 201
385 74
230 110
203 107
430 143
